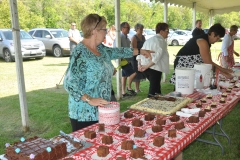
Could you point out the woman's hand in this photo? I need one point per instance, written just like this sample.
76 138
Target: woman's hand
146 53
227 70
237 54
144 68
227 75
98 102
140 68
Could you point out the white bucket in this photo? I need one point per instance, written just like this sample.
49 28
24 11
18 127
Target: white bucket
184 80
204 70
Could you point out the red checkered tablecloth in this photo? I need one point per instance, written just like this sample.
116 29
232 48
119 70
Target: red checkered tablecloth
172 146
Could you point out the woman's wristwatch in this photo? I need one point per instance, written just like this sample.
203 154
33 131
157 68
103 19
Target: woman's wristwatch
88 99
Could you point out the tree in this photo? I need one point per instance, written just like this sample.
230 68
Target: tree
27 19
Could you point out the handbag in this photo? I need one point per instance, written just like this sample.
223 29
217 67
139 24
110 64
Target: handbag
123 62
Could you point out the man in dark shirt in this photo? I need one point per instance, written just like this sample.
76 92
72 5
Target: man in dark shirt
198 30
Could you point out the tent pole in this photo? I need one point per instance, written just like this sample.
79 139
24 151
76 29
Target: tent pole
118 44
19 64
194 15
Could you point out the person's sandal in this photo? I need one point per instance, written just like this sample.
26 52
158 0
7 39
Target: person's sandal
126 95
132 92
137 91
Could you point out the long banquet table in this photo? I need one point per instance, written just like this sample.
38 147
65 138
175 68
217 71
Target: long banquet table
172 146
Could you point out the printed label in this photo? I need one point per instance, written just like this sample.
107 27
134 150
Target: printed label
183 81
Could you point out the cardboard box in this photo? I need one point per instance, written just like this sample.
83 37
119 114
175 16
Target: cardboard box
178 156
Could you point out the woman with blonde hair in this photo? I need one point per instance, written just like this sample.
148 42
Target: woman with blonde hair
89 74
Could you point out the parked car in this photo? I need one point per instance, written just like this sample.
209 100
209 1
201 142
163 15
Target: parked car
56 41
148 33
205 30
179 37
31 48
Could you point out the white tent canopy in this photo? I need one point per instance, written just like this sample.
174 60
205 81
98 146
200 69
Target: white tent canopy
205 6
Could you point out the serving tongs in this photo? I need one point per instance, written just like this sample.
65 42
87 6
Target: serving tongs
74 140
70 138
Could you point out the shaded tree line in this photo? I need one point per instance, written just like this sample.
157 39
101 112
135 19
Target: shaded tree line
60 13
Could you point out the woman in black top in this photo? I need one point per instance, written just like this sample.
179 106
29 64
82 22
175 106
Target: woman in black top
197 50
137 42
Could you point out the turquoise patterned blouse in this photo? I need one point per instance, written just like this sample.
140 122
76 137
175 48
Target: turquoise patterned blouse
92 75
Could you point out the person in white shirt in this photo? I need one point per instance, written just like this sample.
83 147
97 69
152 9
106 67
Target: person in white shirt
227 53
110 37
74 37
153 67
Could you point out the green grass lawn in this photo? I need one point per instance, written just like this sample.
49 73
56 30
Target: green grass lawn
47 106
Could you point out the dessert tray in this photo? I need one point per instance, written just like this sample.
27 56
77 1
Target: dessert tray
161 104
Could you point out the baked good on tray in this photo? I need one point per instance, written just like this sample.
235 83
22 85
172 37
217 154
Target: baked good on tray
139 133
157 128
137 122
127 144
199 105
179 125
209 96
124 129
149 117
161 121
207 109
213 105
137 152
90 134
102 151
172 133
175 118
107 139
158 141
222 100
36 148
193 119
201 113
224 95
101 127
128 115
161 105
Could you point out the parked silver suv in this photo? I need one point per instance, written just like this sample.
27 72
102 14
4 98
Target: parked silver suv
31 48
56 41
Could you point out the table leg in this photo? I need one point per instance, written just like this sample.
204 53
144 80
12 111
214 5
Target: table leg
224 133
213 132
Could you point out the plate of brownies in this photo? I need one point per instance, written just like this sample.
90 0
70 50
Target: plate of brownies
88 135
107 140
154 129
102 153
172 134
128 115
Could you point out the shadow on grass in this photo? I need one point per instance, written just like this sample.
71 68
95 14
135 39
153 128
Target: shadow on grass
60 64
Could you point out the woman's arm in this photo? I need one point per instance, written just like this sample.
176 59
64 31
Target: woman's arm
237 54
134 42
124 52
206 56
75 80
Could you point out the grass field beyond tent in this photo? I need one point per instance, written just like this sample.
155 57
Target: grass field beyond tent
47 106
